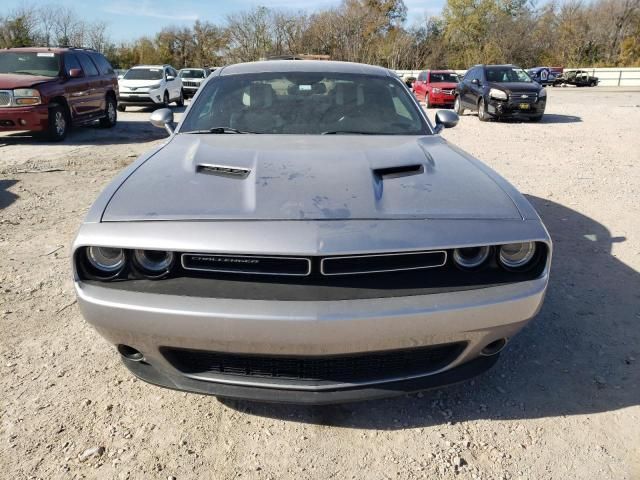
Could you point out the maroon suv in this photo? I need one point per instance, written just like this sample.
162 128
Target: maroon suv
48 89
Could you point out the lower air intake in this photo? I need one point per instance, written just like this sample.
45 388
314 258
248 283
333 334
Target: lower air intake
353 368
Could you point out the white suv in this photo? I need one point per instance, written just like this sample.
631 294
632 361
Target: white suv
192 78
148 85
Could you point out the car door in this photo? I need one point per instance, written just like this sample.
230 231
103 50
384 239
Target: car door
76 88
419 85
465 88
105 79
476 87
95 98
171 77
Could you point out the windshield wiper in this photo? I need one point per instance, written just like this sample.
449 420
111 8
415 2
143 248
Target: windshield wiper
348 132
220 130
23 72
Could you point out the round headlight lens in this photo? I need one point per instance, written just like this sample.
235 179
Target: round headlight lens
517 255
153 262
470 257
106 259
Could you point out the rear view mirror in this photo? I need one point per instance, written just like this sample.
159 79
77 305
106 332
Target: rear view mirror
75 73
163 118
446 119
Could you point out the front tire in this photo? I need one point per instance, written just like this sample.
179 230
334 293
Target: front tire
537 118
58 124
165 100
180 101
457 106
483 116
427 103
110 115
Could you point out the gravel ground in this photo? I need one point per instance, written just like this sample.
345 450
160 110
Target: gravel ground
562 403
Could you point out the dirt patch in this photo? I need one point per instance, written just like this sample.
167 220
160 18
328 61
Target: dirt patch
563 402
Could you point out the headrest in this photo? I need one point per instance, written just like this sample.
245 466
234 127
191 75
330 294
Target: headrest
260 95
348 93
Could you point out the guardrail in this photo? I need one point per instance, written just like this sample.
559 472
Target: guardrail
608 77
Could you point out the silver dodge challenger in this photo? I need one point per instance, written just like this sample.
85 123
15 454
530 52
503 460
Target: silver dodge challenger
306 235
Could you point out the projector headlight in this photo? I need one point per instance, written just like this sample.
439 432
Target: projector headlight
470 257
514 256
106 261
153 263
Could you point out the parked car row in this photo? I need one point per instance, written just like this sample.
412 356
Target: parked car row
494 91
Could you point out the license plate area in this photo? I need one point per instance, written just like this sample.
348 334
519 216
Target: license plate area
524 106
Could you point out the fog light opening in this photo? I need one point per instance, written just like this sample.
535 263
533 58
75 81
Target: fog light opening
130 353
494 347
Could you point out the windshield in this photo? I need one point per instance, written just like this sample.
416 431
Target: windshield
507 74
191 73
306 103
144 74
46 64
443 77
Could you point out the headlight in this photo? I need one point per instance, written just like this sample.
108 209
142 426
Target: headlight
514 256
436 90
497 94
154 86
154 263
26 96
106 260
542 93
471 257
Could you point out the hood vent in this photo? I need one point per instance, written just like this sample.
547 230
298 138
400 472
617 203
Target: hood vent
223 171
399 171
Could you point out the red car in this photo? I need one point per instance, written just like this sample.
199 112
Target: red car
436 87
47 90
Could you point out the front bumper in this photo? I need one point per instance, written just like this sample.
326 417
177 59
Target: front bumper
442 98
148 322
512 108
151 97
32 118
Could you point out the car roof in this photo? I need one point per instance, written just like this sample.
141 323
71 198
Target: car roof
510 65
304 66
148 66
48 49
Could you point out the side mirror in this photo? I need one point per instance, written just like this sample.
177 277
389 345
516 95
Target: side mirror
475 81
446 119
120 77
163 118
170 77
75 73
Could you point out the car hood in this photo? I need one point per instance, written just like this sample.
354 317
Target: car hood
308 177
515 86
9 81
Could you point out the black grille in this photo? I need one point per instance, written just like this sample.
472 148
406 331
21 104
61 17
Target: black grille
247 264
354 368
382 263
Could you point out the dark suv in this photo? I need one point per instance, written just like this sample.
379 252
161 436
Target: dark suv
498 91
48 89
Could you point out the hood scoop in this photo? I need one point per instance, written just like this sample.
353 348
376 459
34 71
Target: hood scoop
398 171
222 170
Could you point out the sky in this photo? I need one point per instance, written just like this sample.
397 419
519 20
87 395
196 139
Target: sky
130 19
